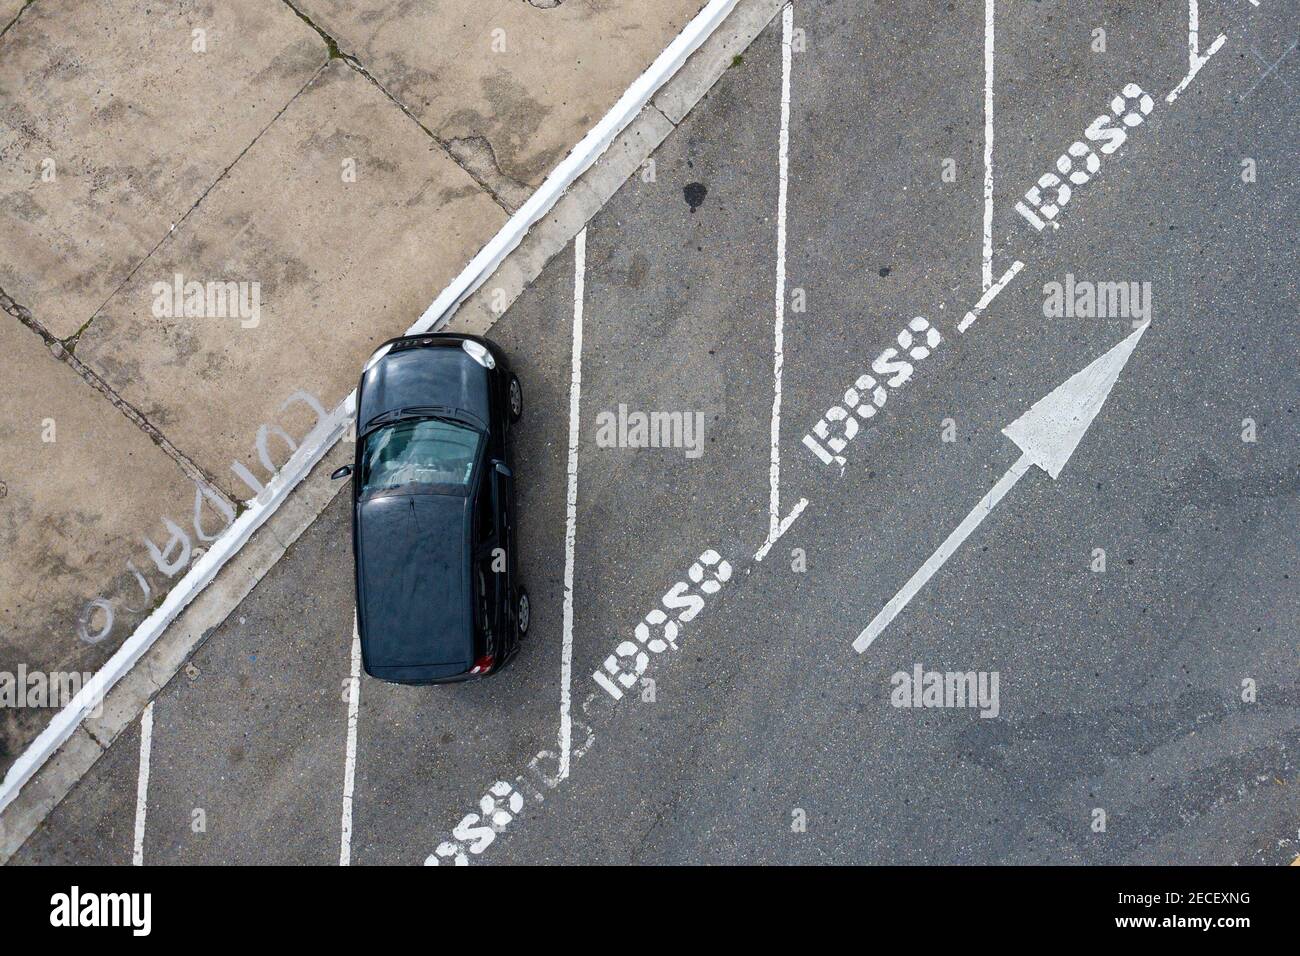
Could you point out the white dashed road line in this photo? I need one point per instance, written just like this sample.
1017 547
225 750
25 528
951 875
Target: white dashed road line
142 783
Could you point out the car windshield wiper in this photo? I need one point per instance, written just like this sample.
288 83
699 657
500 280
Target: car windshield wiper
421 412
442 413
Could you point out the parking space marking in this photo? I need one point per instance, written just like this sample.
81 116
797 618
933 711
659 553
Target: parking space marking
990 293
988 145
333 426
571 504
142 783
775 534
778 346
504 801
350 762
1194 59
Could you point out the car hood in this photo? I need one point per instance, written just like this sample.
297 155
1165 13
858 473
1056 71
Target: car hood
413 592
424 375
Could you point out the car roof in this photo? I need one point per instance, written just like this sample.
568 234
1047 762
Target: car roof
415 579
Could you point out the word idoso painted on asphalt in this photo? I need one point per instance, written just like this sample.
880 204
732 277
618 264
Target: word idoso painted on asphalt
174 556
504 801
657 631
1040 208
837 427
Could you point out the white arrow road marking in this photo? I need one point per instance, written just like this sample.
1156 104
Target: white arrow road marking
944 552
1047 435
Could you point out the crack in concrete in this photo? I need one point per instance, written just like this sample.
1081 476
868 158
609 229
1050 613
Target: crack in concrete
224 173
351 60
61 351
90 732
17 16
666 117
477 149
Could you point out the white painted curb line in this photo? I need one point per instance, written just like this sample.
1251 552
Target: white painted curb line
330 430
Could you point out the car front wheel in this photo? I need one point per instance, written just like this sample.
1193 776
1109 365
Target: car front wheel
516 399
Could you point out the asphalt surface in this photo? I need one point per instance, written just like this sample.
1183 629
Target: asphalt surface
764 738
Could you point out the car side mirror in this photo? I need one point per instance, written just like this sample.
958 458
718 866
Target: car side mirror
341 472
504 469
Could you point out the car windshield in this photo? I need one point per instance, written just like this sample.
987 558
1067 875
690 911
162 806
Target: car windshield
427 451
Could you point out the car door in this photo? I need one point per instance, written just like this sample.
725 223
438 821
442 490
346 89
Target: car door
490 566
505 517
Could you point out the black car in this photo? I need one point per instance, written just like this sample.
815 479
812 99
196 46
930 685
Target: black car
433 511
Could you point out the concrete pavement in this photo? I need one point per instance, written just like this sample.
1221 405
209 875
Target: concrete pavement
208 217
1148 698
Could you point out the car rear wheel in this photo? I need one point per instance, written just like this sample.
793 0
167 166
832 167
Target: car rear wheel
523 613
516 399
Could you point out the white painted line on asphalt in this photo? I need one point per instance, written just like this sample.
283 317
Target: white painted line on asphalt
988 145
350 761
332 427
1265 75
1187 80
1048 435
941 554
504 801
142 783
589 148
1194 59
571 504
778 347
989 295
775 535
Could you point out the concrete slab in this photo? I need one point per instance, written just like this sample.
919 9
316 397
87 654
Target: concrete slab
334 264
9 10
73 511
112 126
508 86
